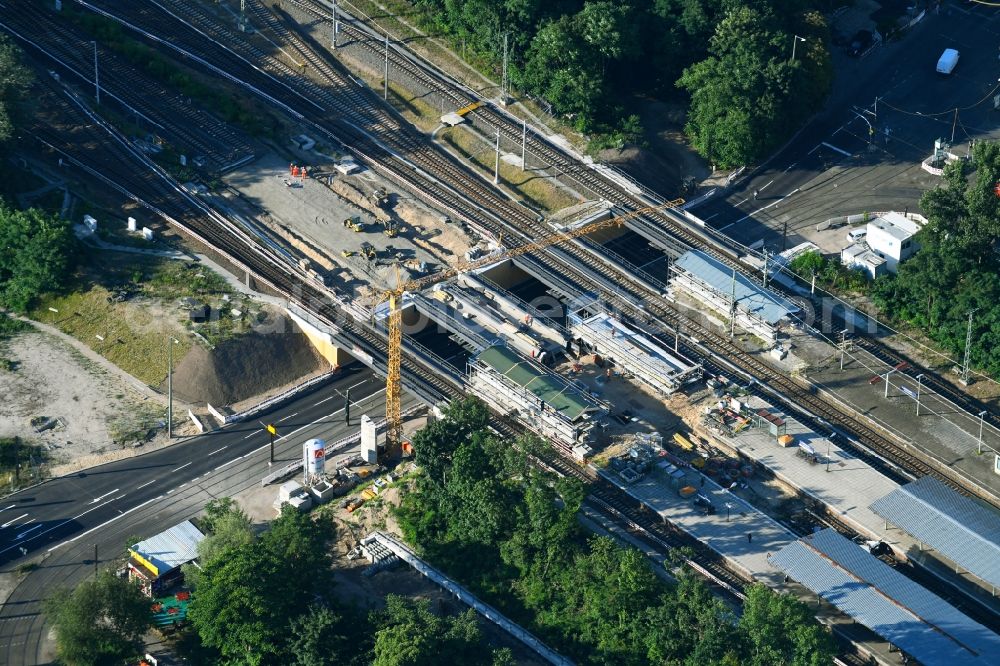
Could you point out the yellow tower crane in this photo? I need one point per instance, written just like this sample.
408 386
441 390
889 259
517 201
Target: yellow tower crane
393 389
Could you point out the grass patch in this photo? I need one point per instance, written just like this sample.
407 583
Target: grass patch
133 332
137 423
17 458
537 190
9 327
130 337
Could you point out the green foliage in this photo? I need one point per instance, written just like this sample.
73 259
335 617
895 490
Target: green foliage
38 256
510 533
829 273
588 58
748 93
9 327
781 630
14 81
102 621
247 599
317 638
411 635
957 268
15 458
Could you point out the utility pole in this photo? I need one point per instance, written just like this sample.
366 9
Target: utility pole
920 381
170 386
953 124
677 332
812 290
347 406
271 433
333 37
95 560
385 92
496 167
97 81
732 309
981 415
503 77
968 350
843 346
524 144
766 255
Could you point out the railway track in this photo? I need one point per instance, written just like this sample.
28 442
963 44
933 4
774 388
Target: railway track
163 112
114 159
473 199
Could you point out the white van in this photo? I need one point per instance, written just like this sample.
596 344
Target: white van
946 63
857 235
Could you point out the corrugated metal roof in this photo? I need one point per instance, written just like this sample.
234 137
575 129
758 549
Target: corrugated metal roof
172 548
529 376
962 529
914 597
876 608
751 297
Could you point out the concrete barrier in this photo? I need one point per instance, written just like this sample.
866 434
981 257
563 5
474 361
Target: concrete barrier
197 422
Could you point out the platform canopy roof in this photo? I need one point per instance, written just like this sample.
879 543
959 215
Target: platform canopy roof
750 296
557 394
964 530
907 615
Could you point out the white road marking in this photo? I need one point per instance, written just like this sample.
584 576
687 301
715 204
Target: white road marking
181 467
766 186
107 522
217 450
746 217
27 532
832 147
9 507
817 147
98 499
704 219
11 522
789 167
290 416
145 484
228 463
80 515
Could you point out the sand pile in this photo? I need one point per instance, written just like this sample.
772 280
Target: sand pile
245 366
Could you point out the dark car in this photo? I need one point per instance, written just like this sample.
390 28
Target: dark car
704 504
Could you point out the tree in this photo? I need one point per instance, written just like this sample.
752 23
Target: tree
317 638
411 635
780 629
38 255
228 528
246 600
436 443
14 82
102 621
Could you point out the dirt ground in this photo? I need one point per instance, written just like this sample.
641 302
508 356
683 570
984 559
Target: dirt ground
51 379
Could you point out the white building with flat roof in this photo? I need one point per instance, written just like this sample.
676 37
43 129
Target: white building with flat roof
890 236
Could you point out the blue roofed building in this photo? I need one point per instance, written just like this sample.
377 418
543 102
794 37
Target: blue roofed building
720 287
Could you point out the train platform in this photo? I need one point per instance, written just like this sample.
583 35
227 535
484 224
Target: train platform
818 468
746 538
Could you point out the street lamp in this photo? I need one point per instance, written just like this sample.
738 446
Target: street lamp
981 415
920 379
171 341
728 507
795 42
887 382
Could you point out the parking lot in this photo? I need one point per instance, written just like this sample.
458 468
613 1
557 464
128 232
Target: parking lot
862 154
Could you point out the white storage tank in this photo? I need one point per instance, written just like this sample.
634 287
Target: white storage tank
313 457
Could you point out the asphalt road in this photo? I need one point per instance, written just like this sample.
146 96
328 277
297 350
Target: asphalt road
828 170
59 522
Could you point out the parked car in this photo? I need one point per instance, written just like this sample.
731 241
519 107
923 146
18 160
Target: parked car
704 504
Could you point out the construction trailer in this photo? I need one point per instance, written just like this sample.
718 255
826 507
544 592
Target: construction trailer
634 353
743 303
545 402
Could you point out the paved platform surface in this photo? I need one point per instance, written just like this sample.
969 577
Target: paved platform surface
848 488
726 533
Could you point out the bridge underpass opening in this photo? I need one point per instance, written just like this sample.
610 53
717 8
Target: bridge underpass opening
540 299
634 248
435 337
